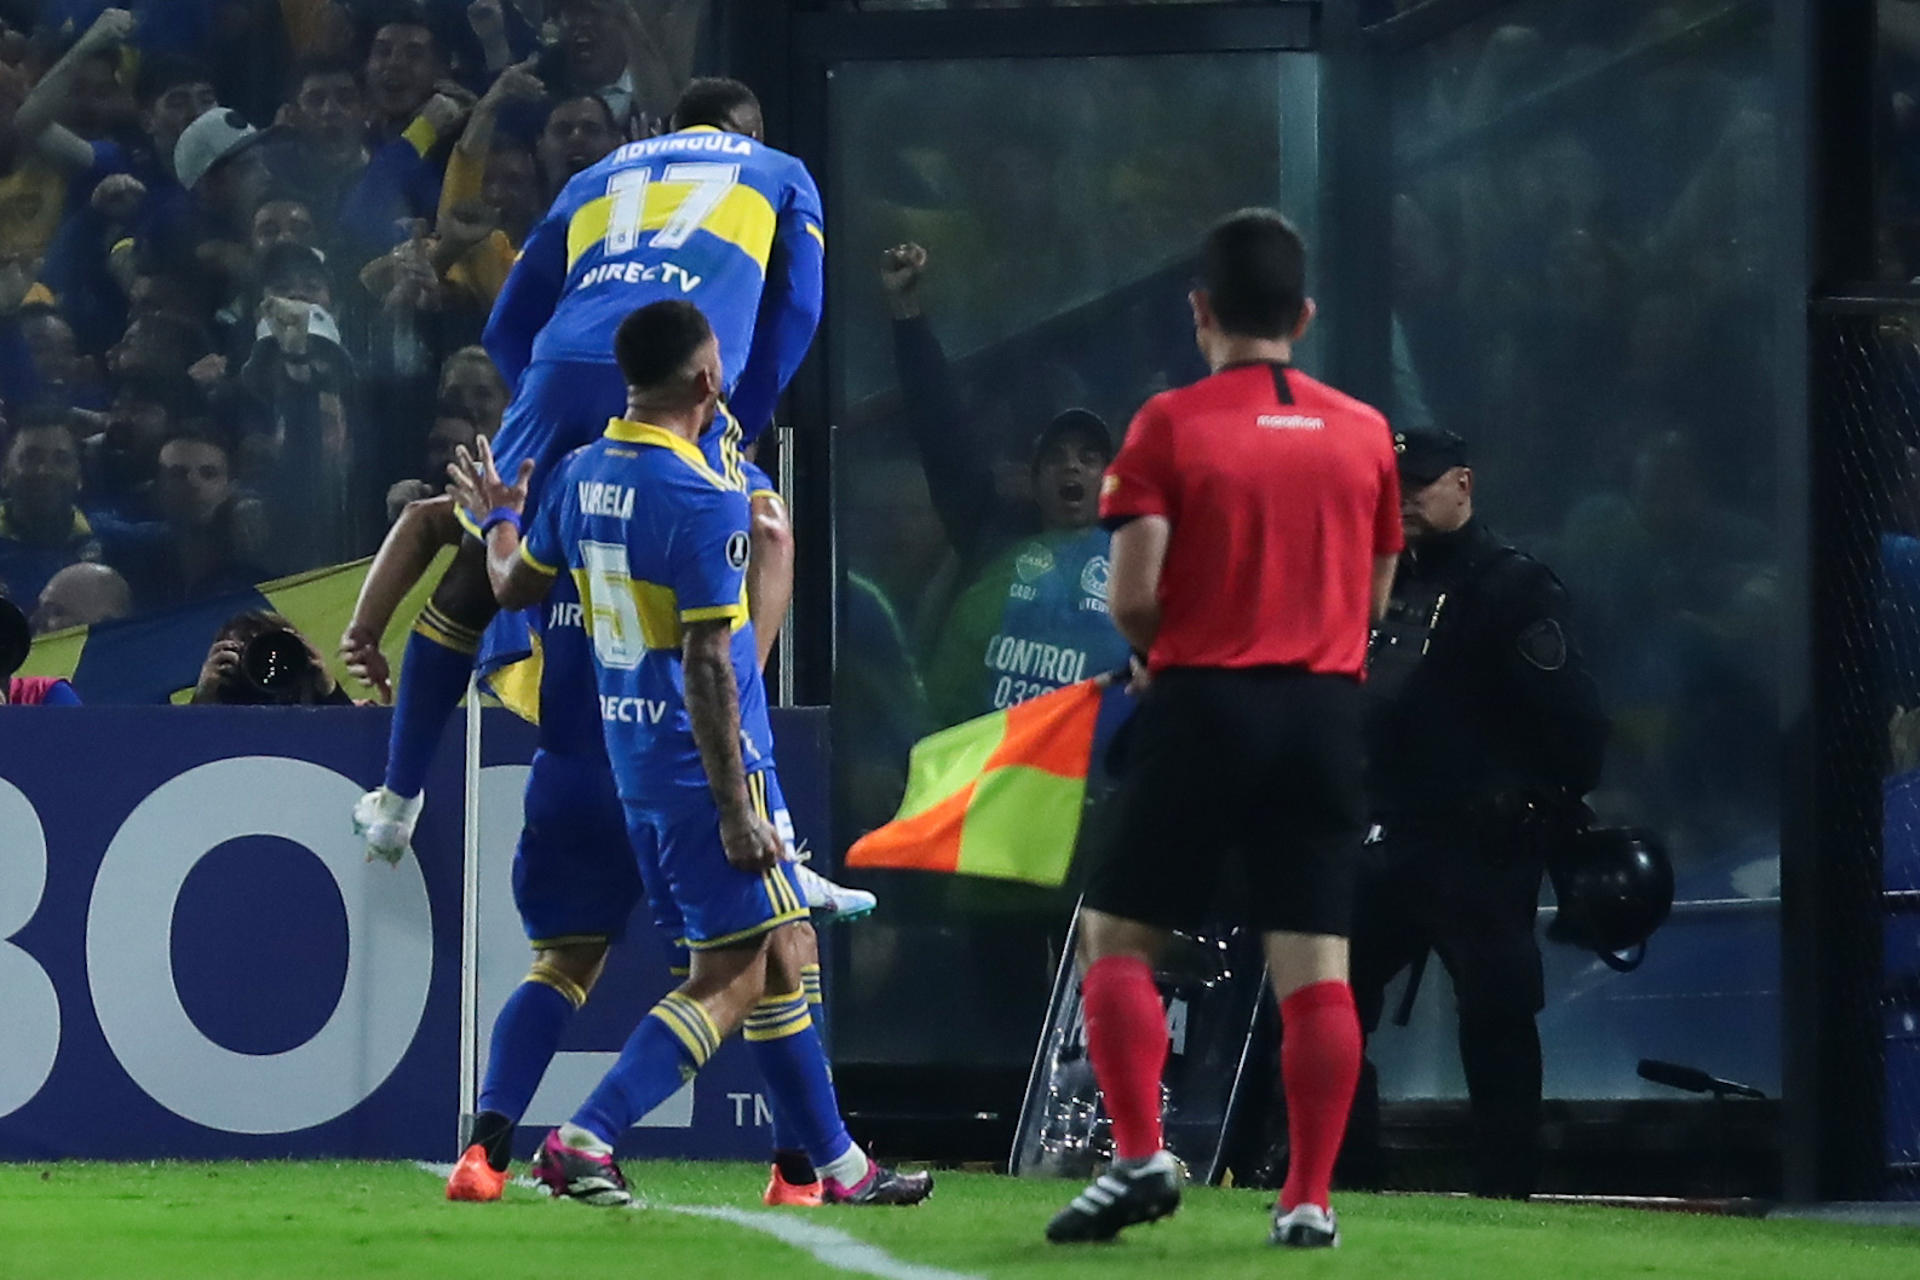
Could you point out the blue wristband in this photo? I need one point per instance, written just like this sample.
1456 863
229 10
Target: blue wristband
500 515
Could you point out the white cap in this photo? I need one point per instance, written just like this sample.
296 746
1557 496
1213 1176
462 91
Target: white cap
216 135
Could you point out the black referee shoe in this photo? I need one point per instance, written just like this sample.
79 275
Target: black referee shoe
1118 1198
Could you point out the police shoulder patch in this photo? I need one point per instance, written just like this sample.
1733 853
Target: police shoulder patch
1544 645
737 550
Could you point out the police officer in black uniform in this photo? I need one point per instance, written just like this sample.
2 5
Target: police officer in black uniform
1484 729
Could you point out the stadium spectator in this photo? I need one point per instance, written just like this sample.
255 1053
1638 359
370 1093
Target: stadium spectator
227 680
304 457
491 196
94 258
158 344
283 219
122 459
326 146
470 383
452 430
214 537
64 375
42 528
218 160
45 168
81 595
579 132
590 58
406 67
1030 614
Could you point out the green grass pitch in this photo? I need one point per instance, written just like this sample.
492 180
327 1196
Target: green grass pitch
343 1221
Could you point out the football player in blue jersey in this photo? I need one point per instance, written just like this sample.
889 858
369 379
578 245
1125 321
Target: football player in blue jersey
576 878
708 213
656 542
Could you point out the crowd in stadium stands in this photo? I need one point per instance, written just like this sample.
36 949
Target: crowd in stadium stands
246 252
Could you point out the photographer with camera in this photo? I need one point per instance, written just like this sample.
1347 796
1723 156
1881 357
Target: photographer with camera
1484 730
259 659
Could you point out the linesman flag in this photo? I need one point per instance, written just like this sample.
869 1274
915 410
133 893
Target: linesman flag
999 796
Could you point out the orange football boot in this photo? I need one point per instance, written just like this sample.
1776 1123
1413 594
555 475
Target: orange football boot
474 1179
804 1195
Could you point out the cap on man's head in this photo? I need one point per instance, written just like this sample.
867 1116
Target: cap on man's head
218 135
1426 455
1081 423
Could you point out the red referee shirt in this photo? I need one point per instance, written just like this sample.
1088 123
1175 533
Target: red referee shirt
1281 492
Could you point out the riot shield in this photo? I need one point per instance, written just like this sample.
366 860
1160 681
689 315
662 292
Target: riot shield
1213 982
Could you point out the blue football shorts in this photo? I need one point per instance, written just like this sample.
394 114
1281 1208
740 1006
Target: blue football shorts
718 905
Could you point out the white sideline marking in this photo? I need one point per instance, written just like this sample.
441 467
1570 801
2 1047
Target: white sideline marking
836 1249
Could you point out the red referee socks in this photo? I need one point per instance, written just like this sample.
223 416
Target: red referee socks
1320 1066
1127 1040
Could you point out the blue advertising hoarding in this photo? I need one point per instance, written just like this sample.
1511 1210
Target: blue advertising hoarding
197 962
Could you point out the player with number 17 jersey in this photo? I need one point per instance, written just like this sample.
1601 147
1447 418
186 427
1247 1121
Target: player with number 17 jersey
714 218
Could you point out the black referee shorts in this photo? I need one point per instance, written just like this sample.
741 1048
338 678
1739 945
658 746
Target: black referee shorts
1262 765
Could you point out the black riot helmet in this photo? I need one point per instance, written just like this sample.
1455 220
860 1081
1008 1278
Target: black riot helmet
1614 886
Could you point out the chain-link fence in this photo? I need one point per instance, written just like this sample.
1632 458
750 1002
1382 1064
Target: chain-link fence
1865 953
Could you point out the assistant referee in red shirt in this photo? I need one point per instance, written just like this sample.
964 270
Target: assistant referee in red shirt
1256 519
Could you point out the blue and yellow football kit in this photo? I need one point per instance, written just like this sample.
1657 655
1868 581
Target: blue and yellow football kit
576 877
652 537
717 219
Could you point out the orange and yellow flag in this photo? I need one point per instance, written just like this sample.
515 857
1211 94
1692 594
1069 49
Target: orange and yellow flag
999 796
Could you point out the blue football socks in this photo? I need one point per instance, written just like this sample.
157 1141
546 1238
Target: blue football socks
665 1051
433 676
787 1050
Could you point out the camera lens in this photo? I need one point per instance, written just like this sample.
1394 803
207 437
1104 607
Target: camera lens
16 638
276 663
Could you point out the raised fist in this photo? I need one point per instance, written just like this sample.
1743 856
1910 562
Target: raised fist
901 268
113 26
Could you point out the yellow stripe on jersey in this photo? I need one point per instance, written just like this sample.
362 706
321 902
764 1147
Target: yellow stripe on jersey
817 234
659 610
715 613
533 562
627 431
744 219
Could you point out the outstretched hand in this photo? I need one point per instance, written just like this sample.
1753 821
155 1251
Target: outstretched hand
475 483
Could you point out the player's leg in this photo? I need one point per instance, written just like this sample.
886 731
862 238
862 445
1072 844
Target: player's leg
1157 874
556 408
793 1062
729 917
526 1035
1305 739
575 884
769 592
433 676
794 1180
673 1041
